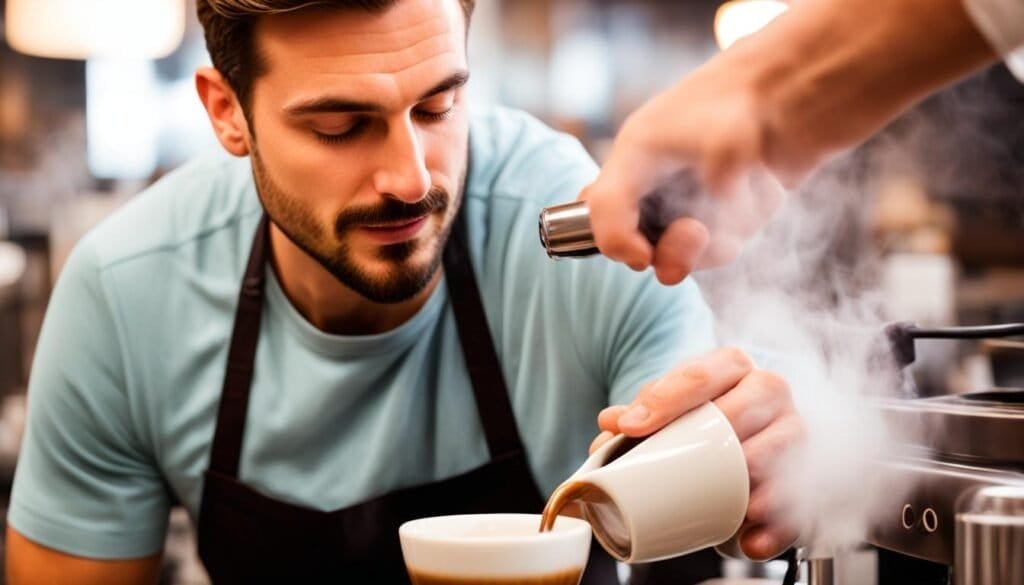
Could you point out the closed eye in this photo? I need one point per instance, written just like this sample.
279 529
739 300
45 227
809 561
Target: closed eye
338 138
430 116
360 126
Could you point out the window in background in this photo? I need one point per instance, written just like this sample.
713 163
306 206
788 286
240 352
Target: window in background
581 81
123 118
143 116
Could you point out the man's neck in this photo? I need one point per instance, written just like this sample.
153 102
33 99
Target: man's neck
328 304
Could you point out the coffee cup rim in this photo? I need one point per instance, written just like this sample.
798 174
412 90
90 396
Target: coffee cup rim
565 527
471 550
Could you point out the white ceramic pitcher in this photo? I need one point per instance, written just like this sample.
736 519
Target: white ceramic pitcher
682 489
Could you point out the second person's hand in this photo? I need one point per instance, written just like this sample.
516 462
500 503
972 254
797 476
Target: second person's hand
708 123
771 109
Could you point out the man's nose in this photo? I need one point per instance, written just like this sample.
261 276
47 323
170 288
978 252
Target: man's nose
403 171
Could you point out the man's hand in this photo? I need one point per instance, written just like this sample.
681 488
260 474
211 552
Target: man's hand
759 407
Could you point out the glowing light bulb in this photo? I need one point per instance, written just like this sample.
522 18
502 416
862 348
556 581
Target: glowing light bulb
738 18
85 29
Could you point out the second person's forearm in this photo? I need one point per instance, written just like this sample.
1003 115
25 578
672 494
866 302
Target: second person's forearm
830 73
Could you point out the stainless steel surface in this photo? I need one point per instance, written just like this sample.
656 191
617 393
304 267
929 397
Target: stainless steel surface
820 572
985 428
962 444
990 537
565 230
937 488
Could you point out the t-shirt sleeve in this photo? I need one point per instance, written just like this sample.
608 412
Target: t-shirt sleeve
627 327
621 327
631 329
655 328
86 483
1002 23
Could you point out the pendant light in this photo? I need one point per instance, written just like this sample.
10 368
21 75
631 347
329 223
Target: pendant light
86 29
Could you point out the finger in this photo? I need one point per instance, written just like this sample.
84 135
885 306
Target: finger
691 384
760 505
615 222
615 217
723 249
767 541
743 213
758 399
601 439
764 449
763 505
608 419
679 248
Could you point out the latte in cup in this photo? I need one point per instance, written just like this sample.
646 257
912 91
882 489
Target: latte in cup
494 549
571 577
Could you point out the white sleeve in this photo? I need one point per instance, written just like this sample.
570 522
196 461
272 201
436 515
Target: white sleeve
1002 23
1015 61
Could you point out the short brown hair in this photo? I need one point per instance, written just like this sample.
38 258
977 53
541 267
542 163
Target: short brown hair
228 25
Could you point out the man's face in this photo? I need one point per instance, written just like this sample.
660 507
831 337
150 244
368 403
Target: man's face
360 137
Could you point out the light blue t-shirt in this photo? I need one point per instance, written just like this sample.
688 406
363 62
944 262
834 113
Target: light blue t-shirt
127 377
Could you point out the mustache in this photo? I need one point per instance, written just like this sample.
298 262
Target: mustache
393 211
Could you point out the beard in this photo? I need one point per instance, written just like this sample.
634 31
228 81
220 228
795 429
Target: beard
402 278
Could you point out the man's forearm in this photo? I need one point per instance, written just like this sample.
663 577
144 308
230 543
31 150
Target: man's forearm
831 73
28 563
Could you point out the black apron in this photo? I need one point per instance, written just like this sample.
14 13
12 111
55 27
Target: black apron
247 537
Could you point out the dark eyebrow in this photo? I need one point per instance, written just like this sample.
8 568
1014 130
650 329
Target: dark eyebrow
333 105
453 81
330 105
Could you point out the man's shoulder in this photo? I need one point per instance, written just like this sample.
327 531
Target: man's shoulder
513 155
203 196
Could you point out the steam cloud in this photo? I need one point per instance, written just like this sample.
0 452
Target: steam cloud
805 300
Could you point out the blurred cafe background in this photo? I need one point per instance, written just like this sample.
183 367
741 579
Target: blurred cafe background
95 107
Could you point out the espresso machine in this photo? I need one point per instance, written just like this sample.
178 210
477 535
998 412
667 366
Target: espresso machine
962 522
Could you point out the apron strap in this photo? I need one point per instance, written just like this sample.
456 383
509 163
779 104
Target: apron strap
492 398
234 400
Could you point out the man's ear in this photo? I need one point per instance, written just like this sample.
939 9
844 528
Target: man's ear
224 110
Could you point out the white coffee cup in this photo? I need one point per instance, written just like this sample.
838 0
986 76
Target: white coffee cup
682 489
479 547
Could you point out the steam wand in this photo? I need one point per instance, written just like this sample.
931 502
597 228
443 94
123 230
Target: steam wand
902 335
820 567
